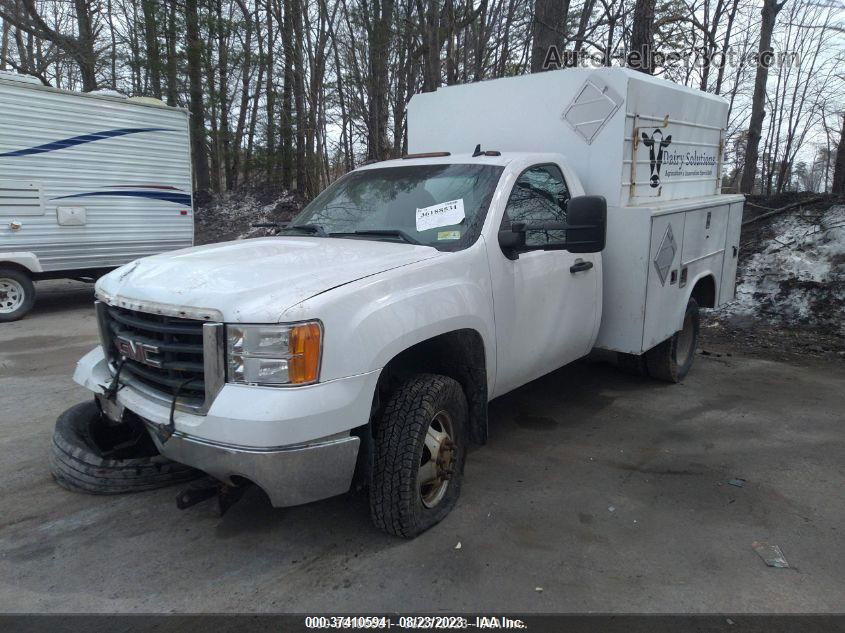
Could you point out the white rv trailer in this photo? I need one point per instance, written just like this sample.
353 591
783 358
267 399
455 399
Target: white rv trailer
88 182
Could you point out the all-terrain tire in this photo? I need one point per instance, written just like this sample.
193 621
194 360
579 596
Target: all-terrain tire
79 464
672 359
17 294
396 500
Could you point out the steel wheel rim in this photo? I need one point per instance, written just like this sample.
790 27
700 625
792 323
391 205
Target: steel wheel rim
437 460
686 340
12 295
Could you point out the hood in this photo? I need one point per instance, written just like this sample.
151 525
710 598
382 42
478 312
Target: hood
252 281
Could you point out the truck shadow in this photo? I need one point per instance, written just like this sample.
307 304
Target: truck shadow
581 390
558 406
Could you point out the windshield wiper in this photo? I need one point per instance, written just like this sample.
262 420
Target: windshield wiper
316 229
380 232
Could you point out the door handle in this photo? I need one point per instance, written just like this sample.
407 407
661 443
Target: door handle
580 265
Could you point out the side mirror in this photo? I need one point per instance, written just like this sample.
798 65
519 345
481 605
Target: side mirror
512 241
586 220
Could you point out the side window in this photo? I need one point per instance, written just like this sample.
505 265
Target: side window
539 195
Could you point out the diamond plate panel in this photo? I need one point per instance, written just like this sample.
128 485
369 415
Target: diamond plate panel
665 255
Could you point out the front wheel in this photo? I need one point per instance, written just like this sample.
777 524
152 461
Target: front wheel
419 446
672 359
17 294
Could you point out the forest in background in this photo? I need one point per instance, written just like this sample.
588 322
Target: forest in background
293 93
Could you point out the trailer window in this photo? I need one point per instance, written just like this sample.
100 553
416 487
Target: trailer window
394 198
540 194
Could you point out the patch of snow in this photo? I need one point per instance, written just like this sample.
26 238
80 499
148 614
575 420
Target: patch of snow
232 214
107 92
798 276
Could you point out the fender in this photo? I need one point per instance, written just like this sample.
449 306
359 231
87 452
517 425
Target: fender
691 288
370 321
26 260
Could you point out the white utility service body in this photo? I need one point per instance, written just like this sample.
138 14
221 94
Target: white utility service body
516 315
89 181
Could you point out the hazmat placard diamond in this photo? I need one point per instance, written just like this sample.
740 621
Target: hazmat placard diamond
665 255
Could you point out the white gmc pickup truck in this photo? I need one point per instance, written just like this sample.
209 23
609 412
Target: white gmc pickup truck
367 338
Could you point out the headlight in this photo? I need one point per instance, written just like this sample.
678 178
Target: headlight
274 355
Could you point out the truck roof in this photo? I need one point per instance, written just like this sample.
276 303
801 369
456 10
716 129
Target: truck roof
457 159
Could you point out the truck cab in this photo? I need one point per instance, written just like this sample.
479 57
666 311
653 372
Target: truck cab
365 340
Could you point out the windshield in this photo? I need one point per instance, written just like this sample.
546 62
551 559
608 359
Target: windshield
442 206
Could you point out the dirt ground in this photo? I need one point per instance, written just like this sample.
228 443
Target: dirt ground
598 491
753 338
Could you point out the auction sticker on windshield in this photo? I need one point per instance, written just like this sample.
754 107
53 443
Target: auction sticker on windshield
443 214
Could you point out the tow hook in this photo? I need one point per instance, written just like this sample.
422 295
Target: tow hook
208 488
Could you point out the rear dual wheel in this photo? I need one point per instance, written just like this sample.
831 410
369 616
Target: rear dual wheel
672 359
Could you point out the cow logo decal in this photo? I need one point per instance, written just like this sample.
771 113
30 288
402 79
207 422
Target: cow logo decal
656 144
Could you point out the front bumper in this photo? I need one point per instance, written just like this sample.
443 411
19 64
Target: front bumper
290 475
294 443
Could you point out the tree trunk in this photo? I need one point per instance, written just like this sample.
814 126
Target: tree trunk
287 99
171 68
726 46
839 168
4 44
549 22
771 8
225 144
113 53
151 39
243 108
299 94
271 96
429 18
641 56
378 17
85 55
199 149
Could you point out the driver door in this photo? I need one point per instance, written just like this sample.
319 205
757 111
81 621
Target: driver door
546 302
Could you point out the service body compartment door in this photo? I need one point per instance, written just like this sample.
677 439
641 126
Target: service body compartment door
663 294
687 248
704 233
727 289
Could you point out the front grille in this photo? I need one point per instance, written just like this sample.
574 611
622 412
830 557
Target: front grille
161 352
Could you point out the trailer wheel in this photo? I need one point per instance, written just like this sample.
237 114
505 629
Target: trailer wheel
673 358
17 294
89 455
419 451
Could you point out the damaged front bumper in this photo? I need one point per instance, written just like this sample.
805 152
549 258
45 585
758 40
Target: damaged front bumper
293 443
290 475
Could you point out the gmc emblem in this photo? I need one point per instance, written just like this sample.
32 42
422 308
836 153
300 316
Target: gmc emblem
139 352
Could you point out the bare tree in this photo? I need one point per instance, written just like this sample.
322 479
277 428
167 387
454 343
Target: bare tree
153 50
642 37
549 19
839 170
198 138
770 11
